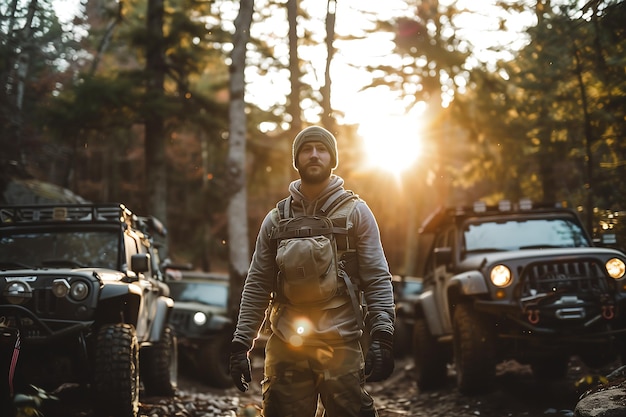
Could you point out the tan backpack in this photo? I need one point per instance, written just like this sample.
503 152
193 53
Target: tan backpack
316 254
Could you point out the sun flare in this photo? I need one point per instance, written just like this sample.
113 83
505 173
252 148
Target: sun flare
392 142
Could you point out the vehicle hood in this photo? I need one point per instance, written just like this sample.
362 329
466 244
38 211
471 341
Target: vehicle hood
478 261
102 273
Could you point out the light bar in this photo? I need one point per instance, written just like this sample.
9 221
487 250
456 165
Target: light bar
525 204
480 207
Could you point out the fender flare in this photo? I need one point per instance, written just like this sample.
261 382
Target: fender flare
163 309
426 308
113 290
467 284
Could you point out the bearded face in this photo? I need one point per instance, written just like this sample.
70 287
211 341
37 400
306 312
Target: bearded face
314 174
314 163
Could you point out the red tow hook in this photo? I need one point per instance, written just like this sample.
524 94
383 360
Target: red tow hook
608 312
533 316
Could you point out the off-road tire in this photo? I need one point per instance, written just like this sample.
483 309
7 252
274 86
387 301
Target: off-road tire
159 366
116 371
474 351
429 358
213 361
550 368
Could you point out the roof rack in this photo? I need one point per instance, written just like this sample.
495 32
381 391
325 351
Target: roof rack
66 213
80 212
480 208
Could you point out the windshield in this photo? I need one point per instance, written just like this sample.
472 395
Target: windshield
201 292
523 234
58 249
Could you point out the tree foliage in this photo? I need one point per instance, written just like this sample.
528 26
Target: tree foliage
33 45
542 118
551 118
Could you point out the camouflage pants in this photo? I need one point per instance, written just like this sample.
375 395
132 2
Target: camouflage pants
296 377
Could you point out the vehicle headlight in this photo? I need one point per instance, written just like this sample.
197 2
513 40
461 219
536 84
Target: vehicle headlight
501 276
199 318
18 292
79 290
616 268
60 288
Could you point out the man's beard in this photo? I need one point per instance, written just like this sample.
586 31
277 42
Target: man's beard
314 178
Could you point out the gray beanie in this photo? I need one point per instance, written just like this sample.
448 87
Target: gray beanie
315 134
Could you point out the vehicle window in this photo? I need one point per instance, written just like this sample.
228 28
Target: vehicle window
60 249
205 293
412 287
534 233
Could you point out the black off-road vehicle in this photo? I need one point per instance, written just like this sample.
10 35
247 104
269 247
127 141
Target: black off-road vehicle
514 282
82 301
202 324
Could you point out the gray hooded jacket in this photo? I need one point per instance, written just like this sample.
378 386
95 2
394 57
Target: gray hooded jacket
331 324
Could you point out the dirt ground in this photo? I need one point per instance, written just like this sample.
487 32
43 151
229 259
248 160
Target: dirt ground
517 394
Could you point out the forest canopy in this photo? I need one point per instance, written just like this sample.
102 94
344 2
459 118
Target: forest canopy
129 101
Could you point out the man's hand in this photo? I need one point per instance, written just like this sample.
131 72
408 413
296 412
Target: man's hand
379 362
240 370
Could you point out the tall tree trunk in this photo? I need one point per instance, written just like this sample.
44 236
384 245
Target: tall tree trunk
108 34
293 107
22 64
237 205
588 141
156 169
328 119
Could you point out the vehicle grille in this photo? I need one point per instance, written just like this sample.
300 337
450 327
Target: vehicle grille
579 277
44 302
181 319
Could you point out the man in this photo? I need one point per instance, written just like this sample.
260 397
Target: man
314 349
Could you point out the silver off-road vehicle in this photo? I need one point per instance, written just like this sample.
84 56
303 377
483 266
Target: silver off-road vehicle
82 301
514 282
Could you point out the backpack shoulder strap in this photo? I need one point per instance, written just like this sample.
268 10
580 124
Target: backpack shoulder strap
340 213
281 211
284 208
332 204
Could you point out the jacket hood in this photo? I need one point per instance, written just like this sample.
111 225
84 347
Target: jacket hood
332 191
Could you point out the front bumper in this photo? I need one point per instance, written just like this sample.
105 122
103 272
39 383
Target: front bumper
33 329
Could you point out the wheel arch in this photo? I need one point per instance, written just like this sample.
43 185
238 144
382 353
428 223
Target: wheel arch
119 303
164 307
463 287
426 307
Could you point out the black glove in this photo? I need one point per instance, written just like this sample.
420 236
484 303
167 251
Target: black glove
239 368
379 362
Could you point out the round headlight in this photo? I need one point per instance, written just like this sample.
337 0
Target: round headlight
79 290
616 268
501 276
17 292
199 318
60 288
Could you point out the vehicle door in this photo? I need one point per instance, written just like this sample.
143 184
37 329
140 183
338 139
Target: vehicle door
149 289
442 272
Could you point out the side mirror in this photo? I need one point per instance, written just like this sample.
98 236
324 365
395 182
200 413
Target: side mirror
140 263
